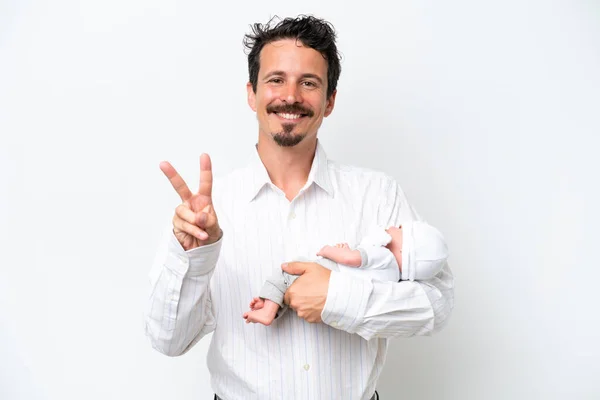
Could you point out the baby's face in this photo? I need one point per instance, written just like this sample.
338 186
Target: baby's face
394 231
395 245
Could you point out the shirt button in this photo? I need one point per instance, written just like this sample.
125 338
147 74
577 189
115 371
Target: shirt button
292 215
306 367
334 324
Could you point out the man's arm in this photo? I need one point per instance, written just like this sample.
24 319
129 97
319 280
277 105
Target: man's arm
389 309
371 308
180 311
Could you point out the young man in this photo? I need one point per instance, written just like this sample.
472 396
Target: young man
286 203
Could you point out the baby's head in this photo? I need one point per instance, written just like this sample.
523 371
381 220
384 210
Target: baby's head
426 246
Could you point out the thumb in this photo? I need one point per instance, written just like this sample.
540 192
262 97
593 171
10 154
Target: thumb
295 268
207 217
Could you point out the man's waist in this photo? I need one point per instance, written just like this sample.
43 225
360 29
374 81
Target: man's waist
374 397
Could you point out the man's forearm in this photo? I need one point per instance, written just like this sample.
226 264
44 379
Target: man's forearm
389 309
179 310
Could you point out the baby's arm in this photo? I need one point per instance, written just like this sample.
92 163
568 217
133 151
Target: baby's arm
342 254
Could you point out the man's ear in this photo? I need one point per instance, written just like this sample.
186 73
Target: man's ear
251 96
330 103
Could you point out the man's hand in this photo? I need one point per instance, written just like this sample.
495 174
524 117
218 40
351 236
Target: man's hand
308 293
195 222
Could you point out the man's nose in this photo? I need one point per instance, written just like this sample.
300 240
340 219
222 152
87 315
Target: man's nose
291 93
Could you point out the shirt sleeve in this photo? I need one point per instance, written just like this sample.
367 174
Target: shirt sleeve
372 308
180 311
377 257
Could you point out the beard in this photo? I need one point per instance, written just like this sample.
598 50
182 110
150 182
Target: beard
287 138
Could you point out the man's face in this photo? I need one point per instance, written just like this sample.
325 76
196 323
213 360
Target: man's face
291 92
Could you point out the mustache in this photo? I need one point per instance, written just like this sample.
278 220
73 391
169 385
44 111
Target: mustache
290 109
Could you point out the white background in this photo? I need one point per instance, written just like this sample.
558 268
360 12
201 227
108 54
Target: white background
486 112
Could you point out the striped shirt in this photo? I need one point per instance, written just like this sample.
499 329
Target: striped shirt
207 289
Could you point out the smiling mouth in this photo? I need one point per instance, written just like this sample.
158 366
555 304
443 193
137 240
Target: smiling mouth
290 117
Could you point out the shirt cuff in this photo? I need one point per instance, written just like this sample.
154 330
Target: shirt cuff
346 302
199 261
364 257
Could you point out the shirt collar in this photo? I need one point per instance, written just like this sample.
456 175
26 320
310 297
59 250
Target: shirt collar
318 174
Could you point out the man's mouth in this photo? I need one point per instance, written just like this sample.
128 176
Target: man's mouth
290 117
290 113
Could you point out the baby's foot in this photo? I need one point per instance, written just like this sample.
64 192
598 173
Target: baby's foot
257 303
262 311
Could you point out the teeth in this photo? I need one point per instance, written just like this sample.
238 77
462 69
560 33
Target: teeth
290 116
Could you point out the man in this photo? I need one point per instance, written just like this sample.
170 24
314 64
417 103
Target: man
288 202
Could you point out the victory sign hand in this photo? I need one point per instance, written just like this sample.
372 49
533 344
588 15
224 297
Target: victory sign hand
195 222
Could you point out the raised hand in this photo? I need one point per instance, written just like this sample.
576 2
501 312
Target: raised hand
195 222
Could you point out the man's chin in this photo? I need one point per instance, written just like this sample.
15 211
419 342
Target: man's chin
288 139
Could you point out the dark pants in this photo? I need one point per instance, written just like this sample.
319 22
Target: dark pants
375 396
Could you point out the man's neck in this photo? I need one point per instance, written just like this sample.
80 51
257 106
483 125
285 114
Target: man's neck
288 167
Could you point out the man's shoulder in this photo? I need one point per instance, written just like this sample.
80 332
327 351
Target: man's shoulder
237 173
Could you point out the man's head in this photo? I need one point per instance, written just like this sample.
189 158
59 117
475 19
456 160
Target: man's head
293 70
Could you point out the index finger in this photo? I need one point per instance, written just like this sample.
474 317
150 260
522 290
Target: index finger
176 180
206 177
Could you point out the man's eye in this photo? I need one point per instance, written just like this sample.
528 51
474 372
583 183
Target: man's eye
309 84
275 80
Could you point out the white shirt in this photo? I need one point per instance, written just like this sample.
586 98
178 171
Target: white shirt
209 288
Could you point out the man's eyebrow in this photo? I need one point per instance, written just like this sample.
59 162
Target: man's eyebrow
274 73
313 76
282 73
